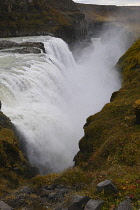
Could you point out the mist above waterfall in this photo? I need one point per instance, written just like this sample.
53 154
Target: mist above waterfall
49 96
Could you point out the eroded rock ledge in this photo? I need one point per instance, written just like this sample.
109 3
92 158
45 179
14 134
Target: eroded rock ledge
24 47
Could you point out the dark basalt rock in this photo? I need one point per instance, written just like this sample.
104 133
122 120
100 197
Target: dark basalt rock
25 50
39 45
94 204
107 186
24 47
78 202
34 18
125 205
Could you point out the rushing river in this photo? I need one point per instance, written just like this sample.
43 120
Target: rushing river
49 96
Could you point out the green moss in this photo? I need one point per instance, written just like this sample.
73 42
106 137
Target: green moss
110 146
39 181
14 167
111 135
129 64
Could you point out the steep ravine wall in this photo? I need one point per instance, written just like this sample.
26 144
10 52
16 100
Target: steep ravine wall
41 17
100 17
108 150
14 167
112 136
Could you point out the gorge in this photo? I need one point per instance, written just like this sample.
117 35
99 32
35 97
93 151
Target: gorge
48 91
48 96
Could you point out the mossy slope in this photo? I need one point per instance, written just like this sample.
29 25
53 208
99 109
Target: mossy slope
13 165
111 136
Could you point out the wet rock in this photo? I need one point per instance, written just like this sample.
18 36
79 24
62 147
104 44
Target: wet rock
4 206
78 202
7 44
107 186
39 45
25 50
125 205
24 47
94 204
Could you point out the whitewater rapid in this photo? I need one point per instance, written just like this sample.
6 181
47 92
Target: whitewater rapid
49 96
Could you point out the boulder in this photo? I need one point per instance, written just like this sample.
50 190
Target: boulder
107 186
125 205
78 202
4 206
94 204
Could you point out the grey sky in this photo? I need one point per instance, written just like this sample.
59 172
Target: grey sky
111 2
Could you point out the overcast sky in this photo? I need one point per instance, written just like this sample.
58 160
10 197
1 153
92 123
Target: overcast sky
111 2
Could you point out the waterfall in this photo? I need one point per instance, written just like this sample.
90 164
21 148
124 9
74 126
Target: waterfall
49 96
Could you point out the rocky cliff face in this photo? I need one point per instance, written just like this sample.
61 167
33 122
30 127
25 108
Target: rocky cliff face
41 17
13 166
99 17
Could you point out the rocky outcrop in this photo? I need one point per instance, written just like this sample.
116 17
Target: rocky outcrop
58 197
14 166
24 47
101 17
42 17
125 205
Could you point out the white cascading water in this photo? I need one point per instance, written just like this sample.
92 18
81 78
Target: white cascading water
49 96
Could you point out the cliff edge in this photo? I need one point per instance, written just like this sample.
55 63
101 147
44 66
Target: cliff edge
14 168
112 136
42 17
